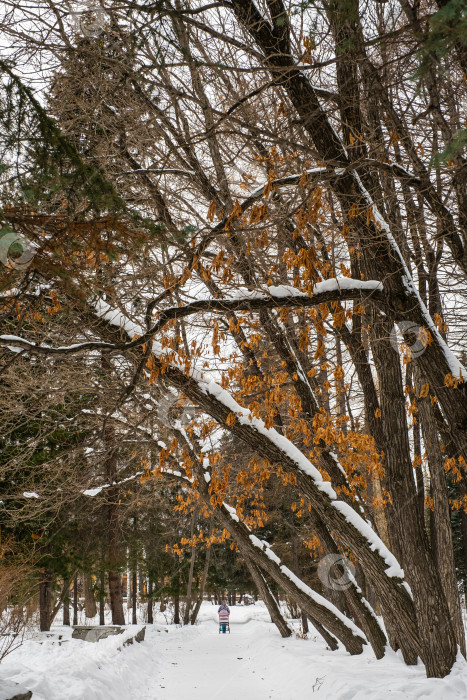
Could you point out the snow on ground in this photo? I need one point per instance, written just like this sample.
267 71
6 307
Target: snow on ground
252 663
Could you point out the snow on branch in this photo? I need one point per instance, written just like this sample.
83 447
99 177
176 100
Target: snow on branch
288 449
265 547
336 289
17 344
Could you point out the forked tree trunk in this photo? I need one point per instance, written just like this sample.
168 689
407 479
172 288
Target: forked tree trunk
435 628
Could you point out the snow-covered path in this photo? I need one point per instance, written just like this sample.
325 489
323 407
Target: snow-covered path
255 663
252 663
202 664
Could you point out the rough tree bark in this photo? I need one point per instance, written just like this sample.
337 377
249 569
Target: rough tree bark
89 601
45 599
442 530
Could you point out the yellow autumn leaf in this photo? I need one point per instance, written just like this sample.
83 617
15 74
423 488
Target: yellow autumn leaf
424 391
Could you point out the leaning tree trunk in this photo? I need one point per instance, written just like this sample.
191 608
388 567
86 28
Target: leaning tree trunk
334 622
268 598
358 606
346 632
396 603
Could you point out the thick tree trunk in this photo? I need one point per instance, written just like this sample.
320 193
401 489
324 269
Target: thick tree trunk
89 601
116 598
66 612
442 530
464 549
436 634
45 599
177 609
